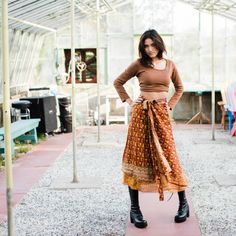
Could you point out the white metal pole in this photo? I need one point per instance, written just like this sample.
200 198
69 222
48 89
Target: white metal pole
75 177
199 47
6 116
213 77
98 68
55 53
225 53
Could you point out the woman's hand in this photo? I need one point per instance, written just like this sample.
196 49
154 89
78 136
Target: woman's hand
136 101
168 107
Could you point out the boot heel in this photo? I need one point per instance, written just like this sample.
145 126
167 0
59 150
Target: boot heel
188 213
131 219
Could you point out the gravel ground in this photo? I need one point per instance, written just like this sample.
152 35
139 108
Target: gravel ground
204 160
104 211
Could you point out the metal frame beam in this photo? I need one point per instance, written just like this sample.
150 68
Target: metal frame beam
32 24
225 8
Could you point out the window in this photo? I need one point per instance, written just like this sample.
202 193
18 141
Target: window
87 55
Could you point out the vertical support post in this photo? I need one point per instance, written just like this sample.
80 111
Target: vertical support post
55 62
226 78
75 177
6 116
107 110
98 66
199 47
199 65
213 77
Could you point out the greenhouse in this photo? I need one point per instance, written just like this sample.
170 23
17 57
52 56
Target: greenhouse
71 133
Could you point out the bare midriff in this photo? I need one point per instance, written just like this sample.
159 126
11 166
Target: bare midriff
153 95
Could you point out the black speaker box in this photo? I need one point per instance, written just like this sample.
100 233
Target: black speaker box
45 109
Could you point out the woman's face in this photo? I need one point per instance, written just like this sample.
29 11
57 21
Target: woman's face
150 48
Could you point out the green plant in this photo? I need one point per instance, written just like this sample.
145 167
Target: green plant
42 137
2 162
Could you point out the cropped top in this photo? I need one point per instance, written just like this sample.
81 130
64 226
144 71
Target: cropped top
151 80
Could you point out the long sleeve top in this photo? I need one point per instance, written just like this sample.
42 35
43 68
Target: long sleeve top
151 80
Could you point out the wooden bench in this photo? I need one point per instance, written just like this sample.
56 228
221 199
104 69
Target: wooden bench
23 130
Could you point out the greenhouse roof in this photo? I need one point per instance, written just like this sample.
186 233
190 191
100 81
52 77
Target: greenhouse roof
226 8
49 15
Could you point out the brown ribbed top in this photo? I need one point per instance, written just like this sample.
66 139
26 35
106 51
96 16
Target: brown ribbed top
151 80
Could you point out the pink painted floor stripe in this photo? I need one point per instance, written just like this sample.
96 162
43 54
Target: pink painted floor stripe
160 217
28 169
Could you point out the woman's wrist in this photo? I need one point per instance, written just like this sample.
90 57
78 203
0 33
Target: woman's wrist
129 101
169 107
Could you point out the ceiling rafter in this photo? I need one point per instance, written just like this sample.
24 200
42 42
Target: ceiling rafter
225 8
54 13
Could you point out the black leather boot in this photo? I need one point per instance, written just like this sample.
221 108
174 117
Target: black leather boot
183 211
136 216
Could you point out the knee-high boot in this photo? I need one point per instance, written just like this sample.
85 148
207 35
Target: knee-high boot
136 216
183 211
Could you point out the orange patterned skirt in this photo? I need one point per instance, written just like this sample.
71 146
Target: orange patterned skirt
150 162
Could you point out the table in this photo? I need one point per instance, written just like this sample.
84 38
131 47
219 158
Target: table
200 116
199 89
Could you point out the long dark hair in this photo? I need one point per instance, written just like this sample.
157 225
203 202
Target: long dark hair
159 44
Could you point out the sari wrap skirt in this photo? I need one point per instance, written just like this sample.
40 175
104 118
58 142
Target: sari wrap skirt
150 162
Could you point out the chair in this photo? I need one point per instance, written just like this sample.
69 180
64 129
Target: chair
231 107
115 118
23 106
224 116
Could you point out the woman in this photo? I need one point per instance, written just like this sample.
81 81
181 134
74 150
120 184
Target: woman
150 162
